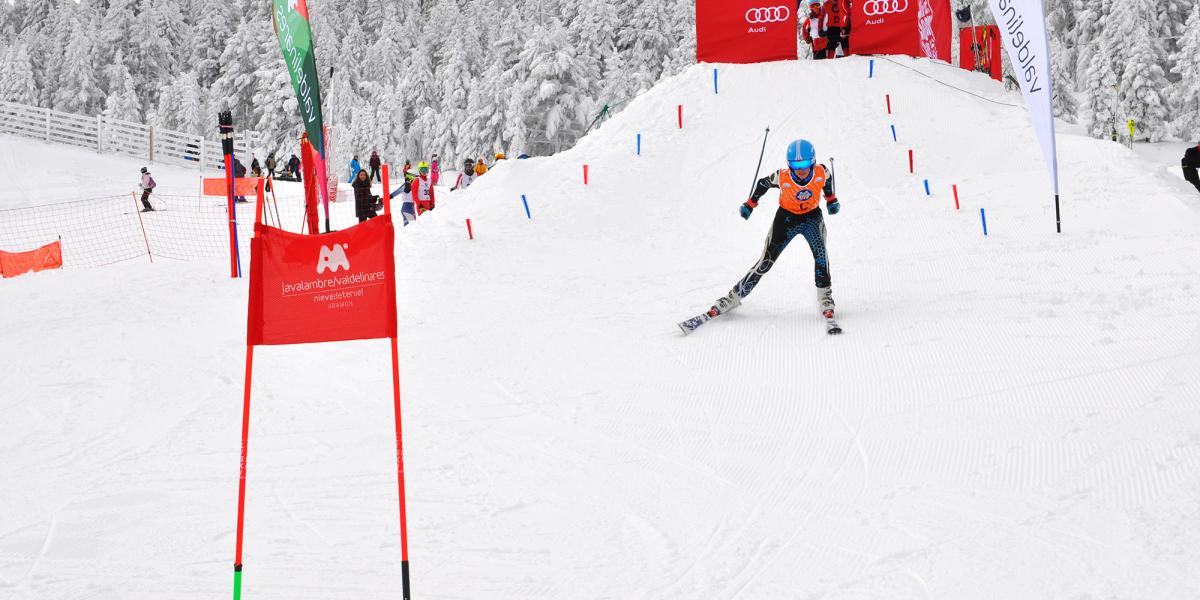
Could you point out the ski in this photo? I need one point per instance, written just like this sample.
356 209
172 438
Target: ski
695 322
831 325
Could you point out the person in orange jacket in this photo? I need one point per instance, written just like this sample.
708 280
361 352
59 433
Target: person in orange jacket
837 27
422 189
812 29
801 186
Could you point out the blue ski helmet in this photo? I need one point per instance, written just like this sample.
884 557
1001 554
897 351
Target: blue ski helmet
801 154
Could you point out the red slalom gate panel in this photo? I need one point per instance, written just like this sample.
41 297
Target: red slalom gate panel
322 288
745 31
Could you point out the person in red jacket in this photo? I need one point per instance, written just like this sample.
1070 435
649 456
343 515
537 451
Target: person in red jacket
813 29
837 26
422 189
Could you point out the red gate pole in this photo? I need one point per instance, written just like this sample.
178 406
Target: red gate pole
143 224
399 471
387 197
241 510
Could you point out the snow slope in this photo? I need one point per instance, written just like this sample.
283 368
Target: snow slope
1006 417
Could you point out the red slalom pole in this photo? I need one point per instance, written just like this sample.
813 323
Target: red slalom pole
889 103
470 234
679 108
387 197
955 188
585 169
141 223
400 467
241 509
910 161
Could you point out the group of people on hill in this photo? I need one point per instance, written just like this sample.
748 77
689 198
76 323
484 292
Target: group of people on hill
419 184
826 27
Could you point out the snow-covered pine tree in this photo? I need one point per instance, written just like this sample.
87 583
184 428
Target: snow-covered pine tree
122 102
17 83
644 39
1143 81
1102 89
78 89
1066 107
1185 95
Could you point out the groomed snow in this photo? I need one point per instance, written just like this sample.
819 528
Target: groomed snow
1011 416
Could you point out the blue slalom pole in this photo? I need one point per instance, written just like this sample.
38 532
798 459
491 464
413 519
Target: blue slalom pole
927 188
871 73
983 217
894 133
715 82
526 203
639 144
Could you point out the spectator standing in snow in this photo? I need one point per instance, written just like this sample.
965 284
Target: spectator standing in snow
837 27
435 169
813 29
355 167
239 171
271 164
147 186
364 202
375 165
1191 165
466 177
255 166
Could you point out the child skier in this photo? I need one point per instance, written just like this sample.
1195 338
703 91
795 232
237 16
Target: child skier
466 177
147 185
801 186
422 189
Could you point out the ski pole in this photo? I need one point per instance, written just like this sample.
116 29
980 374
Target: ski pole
754 183
832 177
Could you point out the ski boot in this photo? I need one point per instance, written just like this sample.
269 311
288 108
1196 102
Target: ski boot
825 300
725 304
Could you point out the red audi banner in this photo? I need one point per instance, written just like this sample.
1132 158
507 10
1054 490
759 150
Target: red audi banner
920 28
745 31
322 288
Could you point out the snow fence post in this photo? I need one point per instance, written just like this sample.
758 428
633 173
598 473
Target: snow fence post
983 218
387 197
99 134
526 203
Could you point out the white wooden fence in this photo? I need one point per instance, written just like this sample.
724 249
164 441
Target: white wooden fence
110 136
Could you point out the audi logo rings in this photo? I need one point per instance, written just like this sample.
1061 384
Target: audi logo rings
774 14
875 8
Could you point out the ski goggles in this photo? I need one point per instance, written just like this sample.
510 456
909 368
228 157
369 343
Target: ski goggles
423 170
798 165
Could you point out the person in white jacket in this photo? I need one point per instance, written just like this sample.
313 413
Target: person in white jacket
467 177
147 185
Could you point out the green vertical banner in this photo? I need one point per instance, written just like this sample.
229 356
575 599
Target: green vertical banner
290 18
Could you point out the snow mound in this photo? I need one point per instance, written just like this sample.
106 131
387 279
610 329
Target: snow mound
1006 416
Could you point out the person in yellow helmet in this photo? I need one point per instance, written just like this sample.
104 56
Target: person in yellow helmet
422 189
499 156
480 167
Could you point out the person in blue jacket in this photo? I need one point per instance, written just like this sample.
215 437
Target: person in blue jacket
355 167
